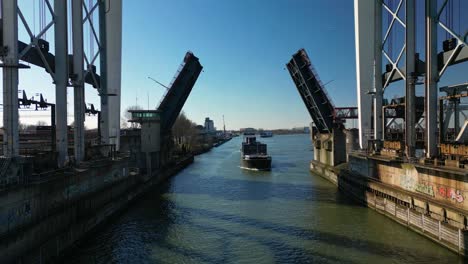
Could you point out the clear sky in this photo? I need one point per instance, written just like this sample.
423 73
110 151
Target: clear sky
243 46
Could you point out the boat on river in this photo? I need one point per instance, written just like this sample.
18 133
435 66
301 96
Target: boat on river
254 154
265 134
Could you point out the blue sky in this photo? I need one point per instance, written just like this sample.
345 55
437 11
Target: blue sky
243 46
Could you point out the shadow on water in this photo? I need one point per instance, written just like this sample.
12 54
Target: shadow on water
156 224
279 166
303 234
356 193
124 238
127 238
282 252
152 222
237 189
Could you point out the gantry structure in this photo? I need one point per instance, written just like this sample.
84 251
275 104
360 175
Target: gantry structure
67 68
377 67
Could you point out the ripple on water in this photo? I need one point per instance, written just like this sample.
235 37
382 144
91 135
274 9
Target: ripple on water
214 212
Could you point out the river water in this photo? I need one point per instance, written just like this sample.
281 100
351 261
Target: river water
215 212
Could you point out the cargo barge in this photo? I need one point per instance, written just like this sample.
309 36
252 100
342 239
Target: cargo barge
254 154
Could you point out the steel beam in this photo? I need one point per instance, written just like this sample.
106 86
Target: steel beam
110 29
312 91
114 68
456 119
176 96
10 78
448 58
346 113
432 76
442 123
411 77
378 88
61 80
78 81
364 29
103 93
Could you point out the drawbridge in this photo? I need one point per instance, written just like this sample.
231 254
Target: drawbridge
179 90
329 136
312 91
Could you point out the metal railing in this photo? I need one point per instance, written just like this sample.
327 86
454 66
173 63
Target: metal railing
179 70
317 78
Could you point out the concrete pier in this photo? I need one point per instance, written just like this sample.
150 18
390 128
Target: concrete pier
427 200
43 219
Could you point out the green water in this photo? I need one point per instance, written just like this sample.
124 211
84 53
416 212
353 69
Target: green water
214 212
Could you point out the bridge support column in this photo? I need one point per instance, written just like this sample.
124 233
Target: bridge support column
10 78
432 76
378 98
61 81
110 27
364 13
78 82
411 77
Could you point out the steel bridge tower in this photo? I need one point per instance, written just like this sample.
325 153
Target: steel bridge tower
371 38
65 70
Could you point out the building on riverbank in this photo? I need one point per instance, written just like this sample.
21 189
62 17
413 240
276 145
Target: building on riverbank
209 126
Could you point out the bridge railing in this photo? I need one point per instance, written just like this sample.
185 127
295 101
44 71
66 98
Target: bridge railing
319 81
179 70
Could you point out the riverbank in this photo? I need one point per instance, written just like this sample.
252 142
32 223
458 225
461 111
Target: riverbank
64 210
221 142
132 196
206 148
396 204
215 212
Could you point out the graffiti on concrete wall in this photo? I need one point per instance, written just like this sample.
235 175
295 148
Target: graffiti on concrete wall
425 188
410 182
430 185
408 179
449 193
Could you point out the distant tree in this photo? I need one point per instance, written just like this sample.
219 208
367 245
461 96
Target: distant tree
72 124
41 123
123 122
184 132
22 127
